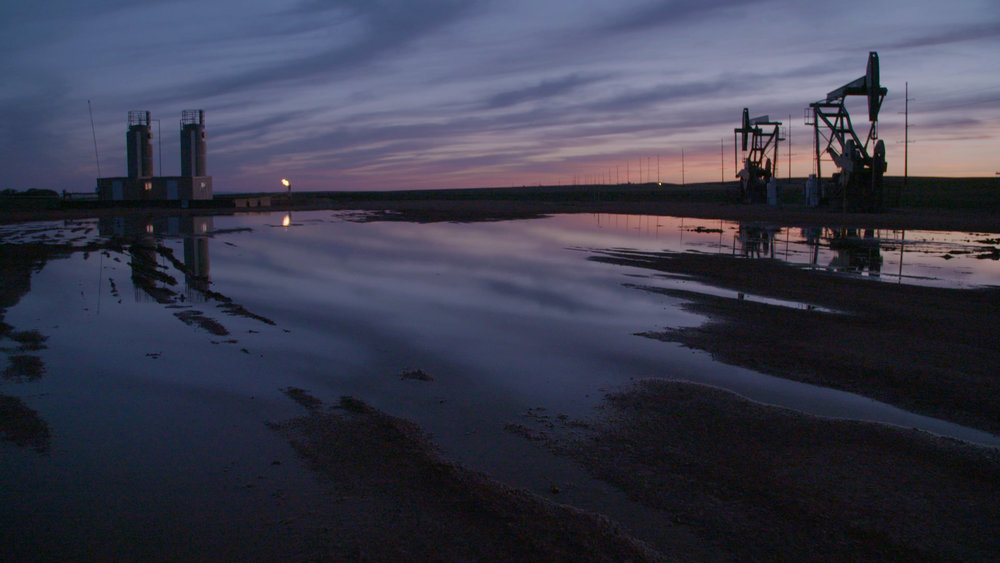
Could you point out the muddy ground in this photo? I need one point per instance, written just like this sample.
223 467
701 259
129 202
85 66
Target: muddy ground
396 499
759 483
926 349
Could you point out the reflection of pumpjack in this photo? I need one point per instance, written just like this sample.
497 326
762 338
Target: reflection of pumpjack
756 241
855 253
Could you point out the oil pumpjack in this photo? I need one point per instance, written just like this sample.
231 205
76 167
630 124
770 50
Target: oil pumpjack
858 185
760 136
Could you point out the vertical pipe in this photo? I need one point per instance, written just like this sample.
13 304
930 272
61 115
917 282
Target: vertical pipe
819 172
774 165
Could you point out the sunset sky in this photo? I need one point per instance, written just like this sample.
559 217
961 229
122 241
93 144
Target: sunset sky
388 94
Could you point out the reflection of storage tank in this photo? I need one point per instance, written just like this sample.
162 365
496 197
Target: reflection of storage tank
193 151
139 141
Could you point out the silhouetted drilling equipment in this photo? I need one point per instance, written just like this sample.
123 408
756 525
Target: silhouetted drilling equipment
760 136
858 184
141 185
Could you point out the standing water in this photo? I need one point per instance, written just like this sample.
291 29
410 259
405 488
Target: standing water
150 353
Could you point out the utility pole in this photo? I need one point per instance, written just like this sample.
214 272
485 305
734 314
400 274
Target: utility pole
722 160
906 142
682 168
906 135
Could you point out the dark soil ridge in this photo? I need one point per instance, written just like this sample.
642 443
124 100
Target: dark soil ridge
925 349
399 500
769 484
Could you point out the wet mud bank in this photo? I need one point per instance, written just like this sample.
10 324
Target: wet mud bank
761 483
394 498
930 350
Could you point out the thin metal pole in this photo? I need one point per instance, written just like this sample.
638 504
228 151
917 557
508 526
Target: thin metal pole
722 160
906 140
819 172
93 131
777 144
789 147
682 168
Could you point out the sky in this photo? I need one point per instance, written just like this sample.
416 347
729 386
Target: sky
399 94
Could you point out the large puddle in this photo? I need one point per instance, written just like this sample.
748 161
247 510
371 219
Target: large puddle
931 258
165 343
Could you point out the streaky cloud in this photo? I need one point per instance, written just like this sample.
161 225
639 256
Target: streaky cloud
957 34
543 90
672 13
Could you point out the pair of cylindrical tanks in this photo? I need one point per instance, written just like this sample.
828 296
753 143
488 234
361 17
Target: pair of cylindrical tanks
139 144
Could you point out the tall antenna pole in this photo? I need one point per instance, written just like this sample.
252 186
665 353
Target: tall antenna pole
93 131
657 169
682 167
906 143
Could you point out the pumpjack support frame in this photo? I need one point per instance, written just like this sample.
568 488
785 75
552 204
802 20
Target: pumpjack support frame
858 185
